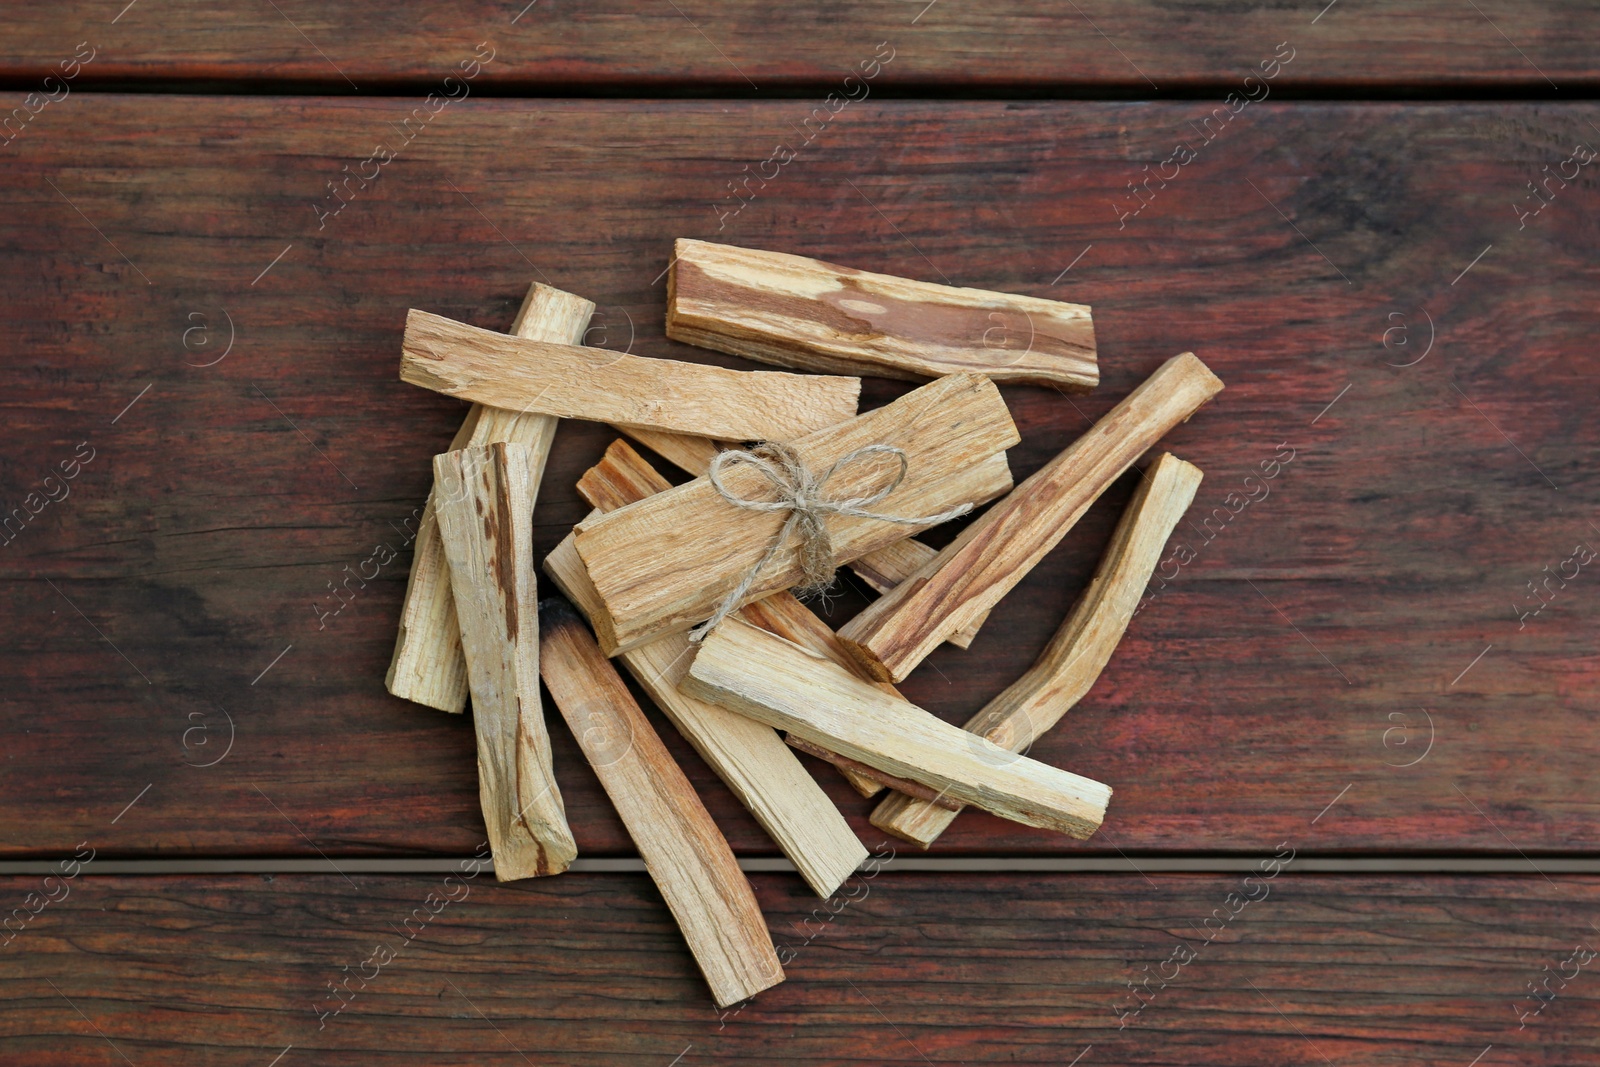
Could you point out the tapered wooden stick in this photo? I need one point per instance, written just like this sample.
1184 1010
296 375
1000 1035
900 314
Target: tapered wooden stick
1079 651
682 848
777 682
427 665
748 756
594 383
992 555
881 570
662 565
486 522
799 312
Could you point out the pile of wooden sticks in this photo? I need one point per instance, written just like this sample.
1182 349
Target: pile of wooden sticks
653 561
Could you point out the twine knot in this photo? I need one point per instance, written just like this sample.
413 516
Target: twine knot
802 494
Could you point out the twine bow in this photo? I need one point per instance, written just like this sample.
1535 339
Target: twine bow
801 494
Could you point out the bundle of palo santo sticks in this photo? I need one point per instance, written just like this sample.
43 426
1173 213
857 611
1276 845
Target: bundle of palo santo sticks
653 564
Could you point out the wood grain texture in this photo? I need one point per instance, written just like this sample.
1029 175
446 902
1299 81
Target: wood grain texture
748 756
662 565
799 312
1075 656
623 477
684 451
428 666
892 564
1409 367
868 781
214 546
989 557
589 970
881 569
777 682
687 857
647 48
484 505
575 382
784 615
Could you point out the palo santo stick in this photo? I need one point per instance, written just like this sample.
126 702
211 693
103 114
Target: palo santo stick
593 383
993 554
783 614
1079 651
881 570
847 766
749 757
683 450
783 685
686 855
803 313
893 564
623 477
663 564
427 666
486 523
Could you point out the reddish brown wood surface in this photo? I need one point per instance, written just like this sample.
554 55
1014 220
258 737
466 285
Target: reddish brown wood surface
748 46
1294 665
897 968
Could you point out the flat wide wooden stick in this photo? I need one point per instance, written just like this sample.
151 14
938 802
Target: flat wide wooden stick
1079 651
881 570
749 757
789 688
799 312
603 386
486 522
992 555
683 850
662 565
427 666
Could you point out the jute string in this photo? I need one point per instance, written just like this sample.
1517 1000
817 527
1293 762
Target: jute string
801 494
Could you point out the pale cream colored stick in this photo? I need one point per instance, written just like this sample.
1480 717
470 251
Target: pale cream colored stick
485 514
853 769
574 382
1077 654
777 682
427 666
683 850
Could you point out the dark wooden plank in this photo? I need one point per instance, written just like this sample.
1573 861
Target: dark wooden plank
899 968
1277 674
618 45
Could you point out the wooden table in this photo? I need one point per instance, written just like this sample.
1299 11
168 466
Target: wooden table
1385 668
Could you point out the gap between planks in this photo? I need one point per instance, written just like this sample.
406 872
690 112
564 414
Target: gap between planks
1133 865
1573 89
